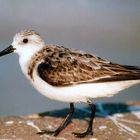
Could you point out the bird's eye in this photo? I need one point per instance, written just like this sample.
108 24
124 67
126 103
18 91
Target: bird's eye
25 40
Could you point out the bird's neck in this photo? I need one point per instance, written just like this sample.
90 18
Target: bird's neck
25 59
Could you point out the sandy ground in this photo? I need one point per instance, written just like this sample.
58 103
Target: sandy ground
112 122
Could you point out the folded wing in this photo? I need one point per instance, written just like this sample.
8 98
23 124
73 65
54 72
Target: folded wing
68 67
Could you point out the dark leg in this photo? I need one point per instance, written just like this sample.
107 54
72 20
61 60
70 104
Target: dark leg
64 123
90 124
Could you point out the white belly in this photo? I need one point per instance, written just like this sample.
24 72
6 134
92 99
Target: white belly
81 92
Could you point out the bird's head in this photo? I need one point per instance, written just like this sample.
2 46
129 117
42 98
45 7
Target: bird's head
25 43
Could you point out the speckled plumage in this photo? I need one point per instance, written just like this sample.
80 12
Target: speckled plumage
61 66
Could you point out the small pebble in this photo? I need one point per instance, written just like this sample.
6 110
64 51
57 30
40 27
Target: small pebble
102 127
9 122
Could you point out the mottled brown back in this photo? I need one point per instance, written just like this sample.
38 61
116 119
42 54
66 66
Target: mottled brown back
62 66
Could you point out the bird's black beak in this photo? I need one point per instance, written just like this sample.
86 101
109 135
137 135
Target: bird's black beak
8 50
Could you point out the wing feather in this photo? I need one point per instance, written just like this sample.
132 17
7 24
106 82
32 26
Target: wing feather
63 66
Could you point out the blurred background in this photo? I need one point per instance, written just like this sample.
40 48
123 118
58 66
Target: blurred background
110 29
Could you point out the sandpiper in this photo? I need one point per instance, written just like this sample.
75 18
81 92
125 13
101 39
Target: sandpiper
69 75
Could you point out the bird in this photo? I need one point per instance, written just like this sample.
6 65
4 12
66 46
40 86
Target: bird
69 75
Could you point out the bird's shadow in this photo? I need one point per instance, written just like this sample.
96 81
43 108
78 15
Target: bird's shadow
102 110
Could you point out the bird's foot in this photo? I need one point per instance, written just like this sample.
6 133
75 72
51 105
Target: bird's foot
84 134
49 132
